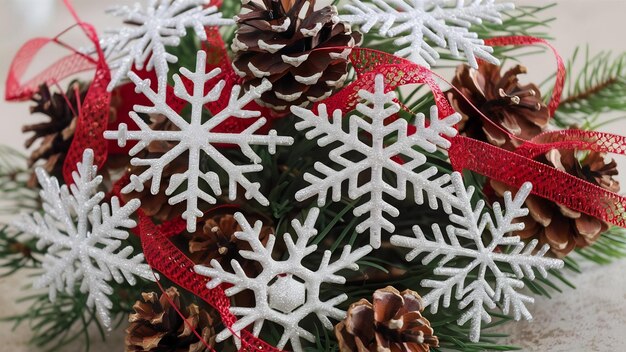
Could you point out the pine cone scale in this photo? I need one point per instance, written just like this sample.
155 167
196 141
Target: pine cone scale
359 320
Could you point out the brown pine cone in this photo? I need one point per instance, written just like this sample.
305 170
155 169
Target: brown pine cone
215 239
156 326
517 108
392 323
156 205
562 228
56 135
275 40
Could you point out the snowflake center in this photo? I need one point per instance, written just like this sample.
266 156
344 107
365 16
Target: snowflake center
286 294
196 136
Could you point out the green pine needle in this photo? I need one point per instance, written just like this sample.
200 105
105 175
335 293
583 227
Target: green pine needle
609 247
16 254
16 195
598 88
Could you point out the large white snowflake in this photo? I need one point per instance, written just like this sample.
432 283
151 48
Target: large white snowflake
285 291
161 23
376 157
86 251
444 22
485 258
196 137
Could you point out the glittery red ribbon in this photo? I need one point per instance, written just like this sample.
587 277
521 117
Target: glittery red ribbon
93 113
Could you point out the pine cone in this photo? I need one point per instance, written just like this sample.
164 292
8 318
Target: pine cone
156 326
274 40
215 239
156 205
56 135
518 109
392 323
562 228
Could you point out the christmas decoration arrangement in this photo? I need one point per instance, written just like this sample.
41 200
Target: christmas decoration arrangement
301 175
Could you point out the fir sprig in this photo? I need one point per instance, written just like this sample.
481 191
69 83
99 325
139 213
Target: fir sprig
598 88
67 320
16 195
16 254
609 247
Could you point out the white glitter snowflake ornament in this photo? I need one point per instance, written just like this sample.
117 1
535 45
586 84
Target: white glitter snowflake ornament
285 291
485 258
197 137
444 22
151 29
86 251
376 157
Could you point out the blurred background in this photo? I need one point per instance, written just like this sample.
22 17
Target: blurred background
591 318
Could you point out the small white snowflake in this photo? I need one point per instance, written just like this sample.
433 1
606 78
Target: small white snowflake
162 23
472 284
83 251
285 291
196 137
444 22
377 156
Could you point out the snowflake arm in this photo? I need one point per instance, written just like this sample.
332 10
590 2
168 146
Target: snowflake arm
197 138
443 22
376 157
478 294
286 292
160 24
85 250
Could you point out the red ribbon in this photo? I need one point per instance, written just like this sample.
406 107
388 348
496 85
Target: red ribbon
93 114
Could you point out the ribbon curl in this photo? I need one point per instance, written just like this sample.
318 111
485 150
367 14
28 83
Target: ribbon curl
93 112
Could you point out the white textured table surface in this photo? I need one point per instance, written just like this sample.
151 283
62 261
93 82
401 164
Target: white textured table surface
591 318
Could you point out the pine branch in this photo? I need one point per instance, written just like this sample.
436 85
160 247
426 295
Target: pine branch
611 246
15 253
590 91
54 325
598 88
15 195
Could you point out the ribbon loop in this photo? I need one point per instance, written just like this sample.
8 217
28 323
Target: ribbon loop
93 113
